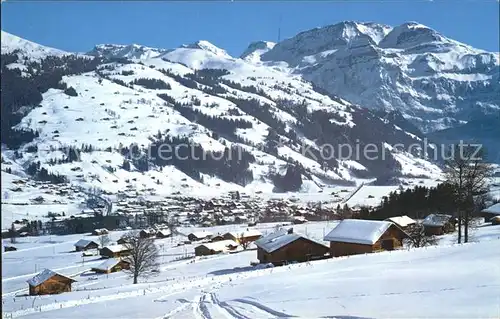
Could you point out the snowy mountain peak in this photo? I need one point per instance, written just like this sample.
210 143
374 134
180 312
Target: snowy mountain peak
26 48
207 46
131 51
256 49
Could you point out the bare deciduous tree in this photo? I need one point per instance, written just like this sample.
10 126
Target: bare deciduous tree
243 242
172 224
13 233
418 238
469 176
104 240
143 258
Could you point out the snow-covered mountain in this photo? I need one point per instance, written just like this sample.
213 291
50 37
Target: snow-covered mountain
98 120
256 49
132 51
434 81
27 50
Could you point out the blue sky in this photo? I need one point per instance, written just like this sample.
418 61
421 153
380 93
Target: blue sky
79 25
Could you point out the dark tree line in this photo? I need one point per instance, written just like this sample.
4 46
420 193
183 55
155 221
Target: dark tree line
187 82
231 165
261 111
152 84
291 181
21 93
42 174
223 126
416 203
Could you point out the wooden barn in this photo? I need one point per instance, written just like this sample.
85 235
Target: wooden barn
49 282
438 224
215 247
111 265
114 251
357 236
244 236
163 233
85 244
403 222
285 246
200 235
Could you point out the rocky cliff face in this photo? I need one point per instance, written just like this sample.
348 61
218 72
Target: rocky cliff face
434 81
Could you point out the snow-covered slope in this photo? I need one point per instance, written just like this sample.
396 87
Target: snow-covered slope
106 108
434 81
458 281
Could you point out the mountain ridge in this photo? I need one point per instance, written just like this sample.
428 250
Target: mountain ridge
107 110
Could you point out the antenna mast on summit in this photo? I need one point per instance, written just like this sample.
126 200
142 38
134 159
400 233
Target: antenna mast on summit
279 29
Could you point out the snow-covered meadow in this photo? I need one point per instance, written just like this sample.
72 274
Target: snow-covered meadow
459 281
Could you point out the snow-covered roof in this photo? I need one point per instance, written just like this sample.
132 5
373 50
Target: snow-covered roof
201 234
107 264
84 243
277 240
245 233
494 209
116 248
164 232
358 231
44 276
401 221
220 245
437 220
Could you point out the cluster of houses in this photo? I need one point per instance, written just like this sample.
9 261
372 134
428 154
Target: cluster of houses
228 242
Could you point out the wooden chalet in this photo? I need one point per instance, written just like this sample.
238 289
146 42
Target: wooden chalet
122 241
245 236
100 231
196 236
111 265
403 222
163 233
285 246
490 212
438 224
299 220
494 221
357 236
114 251
217 237
215 247
49 282
85 244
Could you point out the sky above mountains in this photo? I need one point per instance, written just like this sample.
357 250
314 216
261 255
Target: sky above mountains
78 26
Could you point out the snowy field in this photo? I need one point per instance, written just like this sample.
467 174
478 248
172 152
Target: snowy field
446 281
